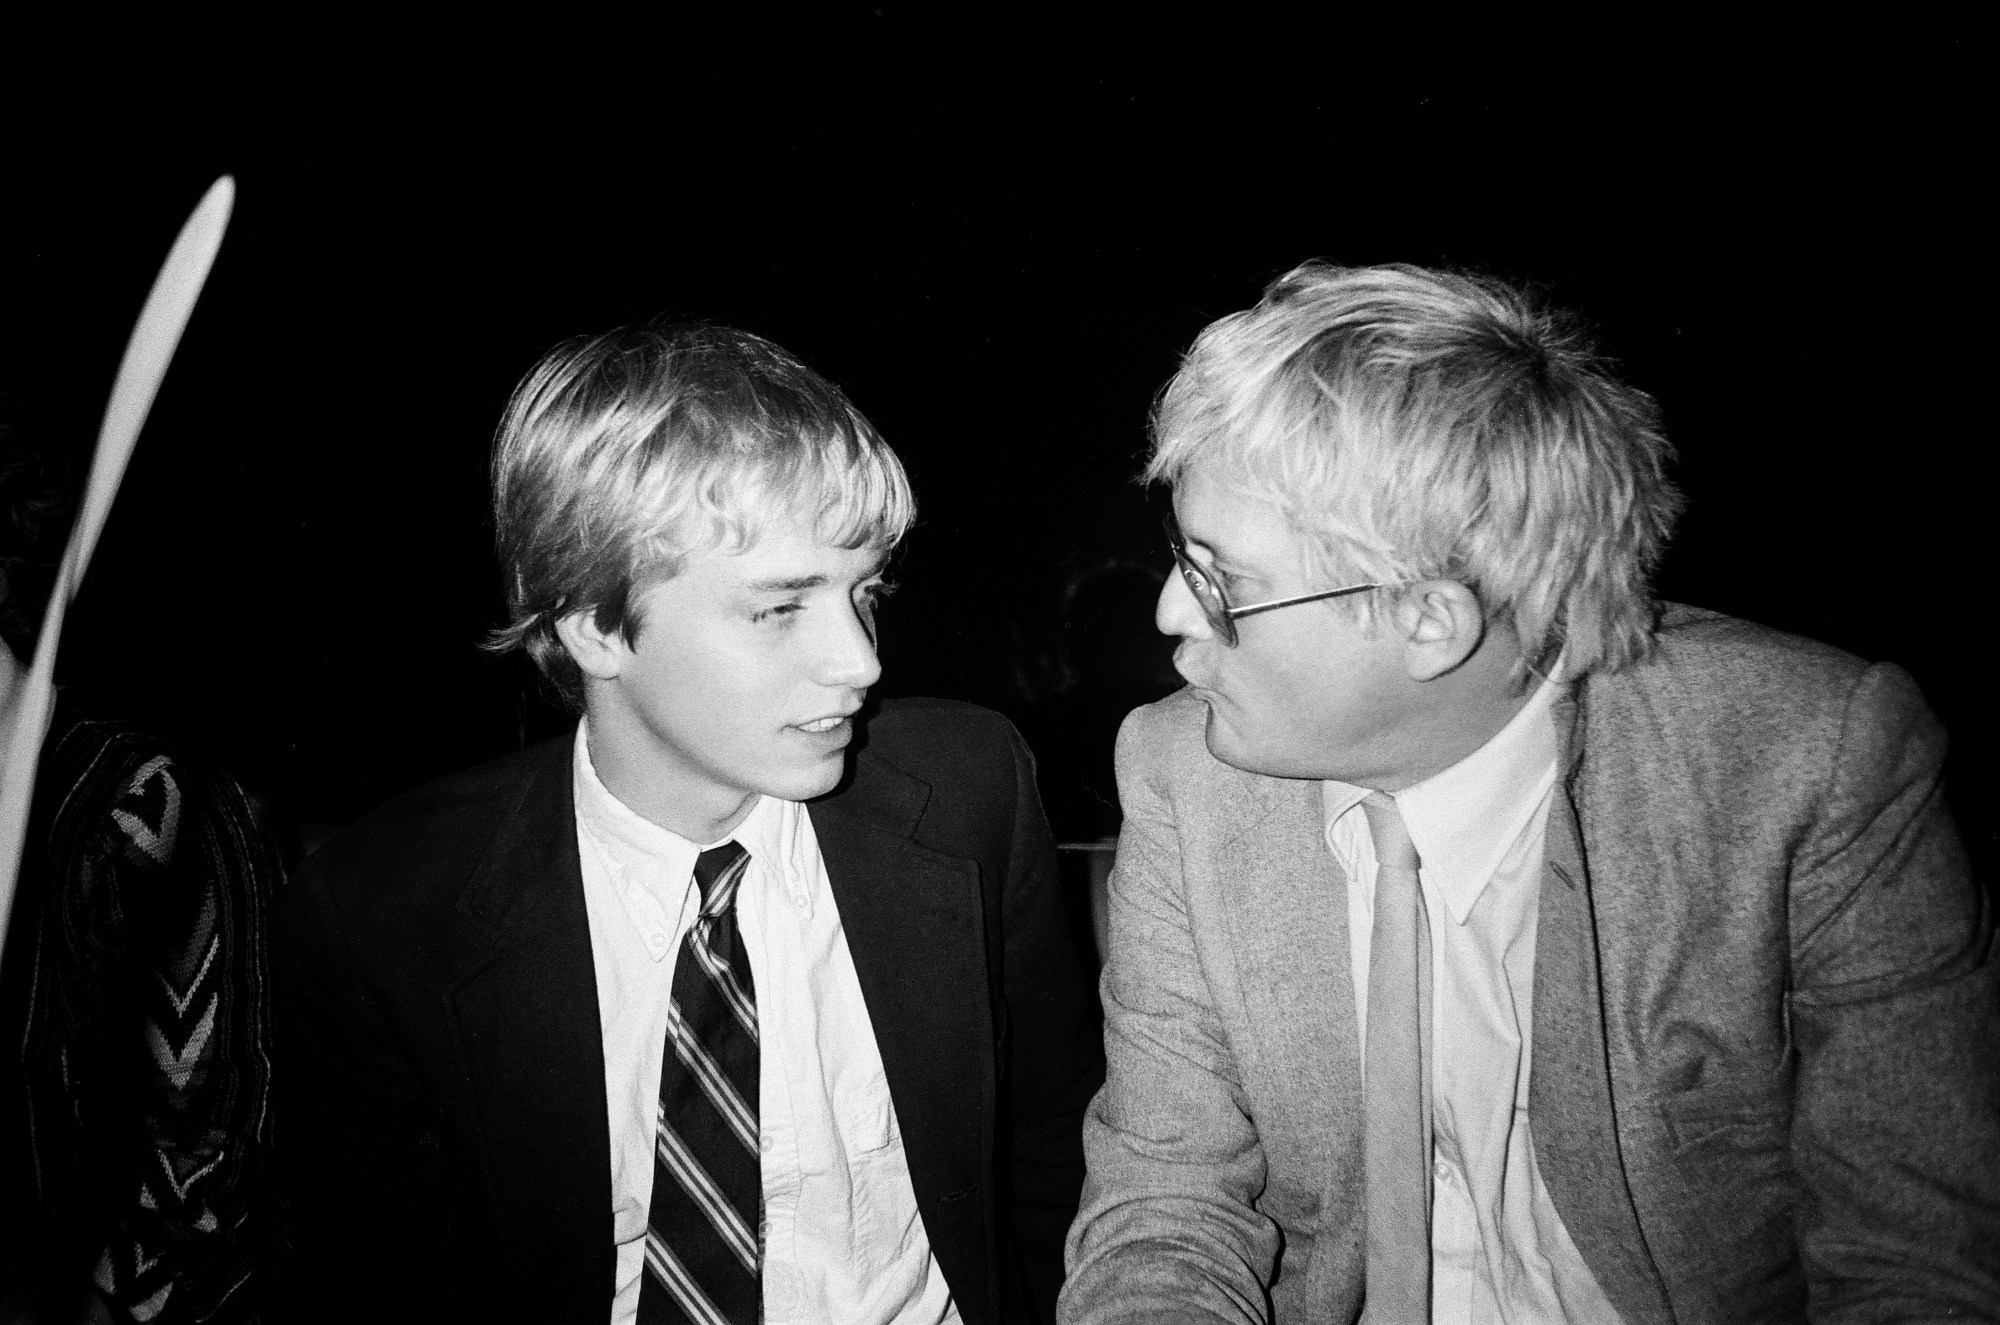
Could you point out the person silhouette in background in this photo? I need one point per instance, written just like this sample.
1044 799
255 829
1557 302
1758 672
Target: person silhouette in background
135 1007
1111 661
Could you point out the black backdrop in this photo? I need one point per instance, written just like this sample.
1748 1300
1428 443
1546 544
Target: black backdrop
997 242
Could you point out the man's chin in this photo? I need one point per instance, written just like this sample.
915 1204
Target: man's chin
1225 744
1232 748
807 783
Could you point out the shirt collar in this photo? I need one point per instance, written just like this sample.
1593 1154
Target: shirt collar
1466 818
775 833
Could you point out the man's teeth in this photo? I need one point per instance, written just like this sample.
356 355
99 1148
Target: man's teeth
821 724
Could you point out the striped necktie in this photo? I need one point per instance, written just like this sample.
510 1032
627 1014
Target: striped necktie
702 1245
1396 1133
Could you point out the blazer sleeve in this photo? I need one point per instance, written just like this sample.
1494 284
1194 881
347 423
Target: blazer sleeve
1056 1060
1894 1019
1167 1231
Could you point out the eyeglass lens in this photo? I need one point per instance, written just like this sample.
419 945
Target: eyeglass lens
1207 593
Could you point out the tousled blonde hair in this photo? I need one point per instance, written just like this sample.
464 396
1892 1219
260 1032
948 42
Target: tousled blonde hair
620 455
1418 424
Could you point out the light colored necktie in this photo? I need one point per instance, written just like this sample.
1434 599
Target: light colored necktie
1396 1066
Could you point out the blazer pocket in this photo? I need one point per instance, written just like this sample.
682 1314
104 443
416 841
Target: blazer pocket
1729 1190
1732 1151
1726 1116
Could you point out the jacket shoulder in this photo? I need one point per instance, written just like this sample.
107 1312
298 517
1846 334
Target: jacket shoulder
955 773
1713 672
438 830
1720 692
1168 736
940 739
1737 653
1164 746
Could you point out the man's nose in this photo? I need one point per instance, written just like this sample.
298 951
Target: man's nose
849 658
1177 613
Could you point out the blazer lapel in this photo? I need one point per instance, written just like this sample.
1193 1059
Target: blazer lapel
525 1019
1286 899
1570 1101
916 930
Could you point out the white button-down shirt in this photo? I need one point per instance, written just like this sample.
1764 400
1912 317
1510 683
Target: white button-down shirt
1499 1251
842 1236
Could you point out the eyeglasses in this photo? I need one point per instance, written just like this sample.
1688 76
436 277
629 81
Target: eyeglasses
1215 604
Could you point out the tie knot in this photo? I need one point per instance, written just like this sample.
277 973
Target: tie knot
717 871
1393 848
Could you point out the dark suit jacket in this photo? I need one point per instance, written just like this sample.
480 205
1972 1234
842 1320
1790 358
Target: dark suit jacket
447 1147
1766 1079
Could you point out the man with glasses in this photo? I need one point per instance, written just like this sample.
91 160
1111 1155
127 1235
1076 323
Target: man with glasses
1488 943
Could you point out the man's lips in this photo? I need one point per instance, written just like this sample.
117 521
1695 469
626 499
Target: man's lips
821 725
1182 657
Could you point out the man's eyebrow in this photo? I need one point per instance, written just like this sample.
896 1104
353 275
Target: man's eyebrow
798 583
791 585
1214 553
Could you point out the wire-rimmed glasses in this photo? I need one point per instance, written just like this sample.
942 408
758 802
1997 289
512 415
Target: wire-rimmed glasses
1215 604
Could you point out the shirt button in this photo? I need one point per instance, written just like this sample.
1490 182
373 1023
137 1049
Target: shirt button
765 1143
657 942
1443 1171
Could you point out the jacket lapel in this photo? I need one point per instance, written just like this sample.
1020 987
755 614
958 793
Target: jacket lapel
1570 1101
1286 899
916 930
525 1020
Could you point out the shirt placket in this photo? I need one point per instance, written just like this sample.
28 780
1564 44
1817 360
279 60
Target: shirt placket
769 935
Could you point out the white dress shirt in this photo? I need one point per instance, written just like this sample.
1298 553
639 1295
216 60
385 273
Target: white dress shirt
1499 1251
842 1236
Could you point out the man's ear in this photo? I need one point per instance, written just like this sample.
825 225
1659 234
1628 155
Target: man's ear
598 652
1441 625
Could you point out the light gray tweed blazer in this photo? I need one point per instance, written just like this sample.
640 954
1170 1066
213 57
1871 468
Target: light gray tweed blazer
1766 1077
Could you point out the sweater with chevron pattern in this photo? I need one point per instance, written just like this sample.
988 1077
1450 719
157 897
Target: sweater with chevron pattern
135 1074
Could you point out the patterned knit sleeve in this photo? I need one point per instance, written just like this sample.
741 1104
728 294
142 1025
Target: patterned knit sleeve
187 877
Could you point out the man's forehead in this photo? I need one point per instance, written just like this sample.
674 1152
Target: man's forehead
781 558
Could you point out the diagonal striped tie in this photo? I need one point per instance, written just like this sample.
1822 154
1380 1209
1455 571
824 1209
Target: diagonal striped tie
702 1249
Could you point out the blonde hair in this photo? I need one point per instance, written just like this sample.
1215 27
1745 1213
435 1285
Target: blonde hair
620 455
1417 424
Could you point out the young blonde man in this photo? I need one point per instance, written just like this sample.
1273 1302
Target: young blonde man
1486 944
743 1003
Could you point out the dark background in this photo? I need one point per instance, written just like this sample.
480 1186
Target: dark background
997 239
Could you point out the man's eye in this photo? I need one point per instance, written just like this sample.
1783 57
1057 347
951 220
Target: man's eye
782 610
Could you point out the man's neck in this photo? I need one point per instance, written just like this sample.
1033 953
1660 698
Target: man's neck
700 812
1463 710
